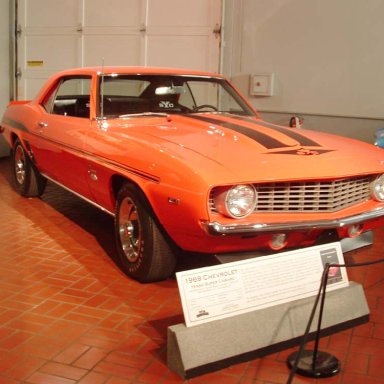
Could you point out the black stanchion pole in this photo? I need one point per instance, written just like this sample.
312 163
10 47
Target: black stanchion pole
315 363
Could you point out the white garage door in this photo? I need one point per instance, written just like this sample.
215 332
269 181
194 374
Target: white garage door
59 34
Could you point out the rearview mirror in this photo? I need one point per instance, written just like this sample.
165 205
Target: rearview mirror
174 90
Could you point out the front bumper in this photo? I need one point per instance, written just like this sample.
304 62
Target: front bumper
215 228
347 245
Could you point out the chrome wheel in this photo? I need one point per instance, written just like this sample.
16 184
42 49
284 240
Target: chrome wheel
27 178
143 250
20 165
130 230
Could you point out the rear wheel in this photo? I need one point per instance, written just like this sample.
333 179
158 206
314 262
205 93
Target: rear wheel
144 252
28 179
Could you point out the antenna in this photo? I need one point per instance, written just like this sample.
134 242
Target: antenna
102 91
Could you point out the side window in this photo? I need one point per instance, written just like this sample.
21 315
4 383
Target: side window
70 98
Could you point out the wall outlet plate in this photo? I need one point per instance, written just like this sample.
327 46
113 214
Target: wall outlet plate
261 84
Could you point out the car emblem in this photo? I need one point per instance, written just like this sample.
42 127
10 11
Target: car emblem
303 151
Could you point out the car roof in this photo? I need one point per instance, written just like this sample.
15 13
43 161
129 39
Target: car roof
137 71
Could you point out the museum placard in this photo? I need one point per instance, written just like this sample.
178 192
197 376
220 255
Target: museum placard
230 289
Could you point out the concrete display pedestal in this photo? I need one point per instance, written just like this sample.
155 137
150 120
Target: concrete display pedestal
211 346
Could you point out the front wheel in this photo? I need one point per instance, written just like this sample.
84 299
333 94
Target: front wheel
29 181
144 252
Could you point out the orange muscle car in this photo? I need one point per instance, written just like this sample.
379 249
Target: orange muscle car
184 163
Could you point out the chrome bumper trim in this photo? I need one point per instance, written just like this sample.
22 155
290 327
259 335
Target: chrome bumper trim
218 229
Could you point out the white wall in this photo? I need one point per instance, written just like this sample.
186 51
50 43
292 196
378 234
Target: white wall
4 65
327 57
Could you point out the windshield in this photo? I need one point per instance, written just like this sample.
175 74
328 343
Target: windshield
124 95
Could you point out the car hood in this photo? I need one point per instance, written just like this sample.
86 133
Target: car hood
248 149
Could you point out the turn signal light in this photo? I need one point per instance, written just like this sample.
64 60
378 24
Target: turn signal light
355 230
278 241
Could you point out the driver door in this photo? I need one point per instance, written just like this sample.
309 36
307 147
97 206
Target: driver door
63 126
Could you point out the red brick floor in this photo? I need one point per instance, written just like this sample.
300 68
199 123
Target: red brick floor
69 315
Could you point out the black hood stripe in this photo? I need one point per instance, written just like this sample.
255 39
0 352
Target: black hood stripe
263 139
291 132
297 152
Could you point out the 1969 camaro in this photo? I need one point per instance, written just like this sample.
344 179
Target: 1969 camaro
183 162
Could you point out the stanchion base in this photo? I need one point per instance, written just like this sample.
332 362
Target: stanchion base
326 364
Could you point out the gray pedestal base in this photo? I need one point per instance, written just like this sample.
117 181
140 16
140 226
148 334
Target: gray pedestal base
216 345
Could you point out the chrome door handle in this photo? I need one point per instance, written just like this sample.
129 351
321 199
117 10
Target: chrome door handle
41 124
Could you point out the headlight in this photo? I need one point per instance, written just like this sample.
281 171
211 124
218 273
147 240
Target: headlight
377 188
237 202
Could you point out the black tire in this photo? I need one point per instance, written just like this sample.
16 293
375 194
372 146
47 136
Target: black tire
143 250
28 180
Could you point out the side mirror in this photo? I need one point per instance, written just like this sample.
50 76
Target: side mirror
296 121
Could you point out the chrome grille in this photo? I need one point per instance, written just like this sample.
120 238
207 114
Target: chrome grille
310 196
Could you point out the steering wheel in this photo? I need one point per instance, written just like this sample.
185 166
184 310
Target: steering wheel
202 106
